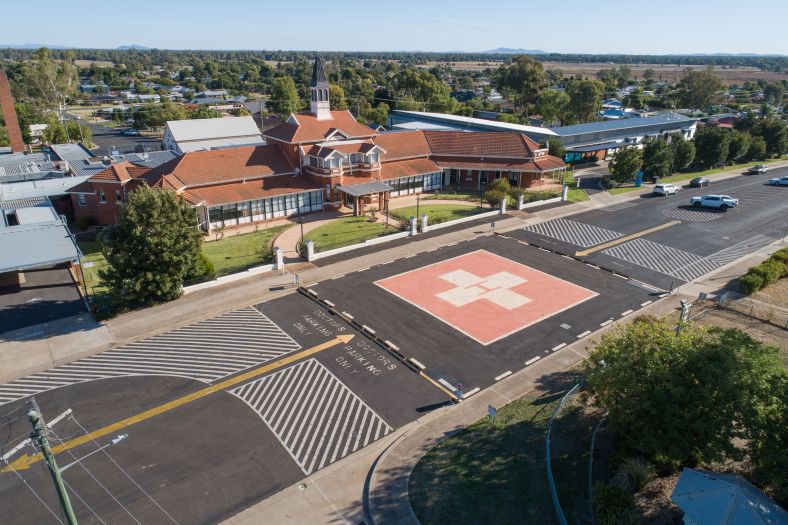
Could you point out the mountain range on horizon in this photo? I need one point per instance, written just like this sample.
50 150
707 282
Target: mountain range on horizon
496 51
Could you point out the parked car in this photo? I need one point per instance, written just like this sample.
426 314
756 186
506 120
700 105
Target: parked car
782 181
665 189
130 133
758 169
722 202
699 182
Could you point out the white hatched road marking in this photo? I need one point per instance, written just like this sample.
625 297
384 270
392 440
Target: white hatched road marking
313 414
574 232
205 351
678 263
691 215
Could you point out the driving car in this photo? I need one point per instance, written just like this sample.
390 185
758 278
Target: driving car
722 202
699 182
130 132
782 181
758 169
665 189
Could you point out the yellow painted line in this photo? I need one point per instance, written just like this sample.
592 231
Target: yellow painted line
24 462
626 238
440 386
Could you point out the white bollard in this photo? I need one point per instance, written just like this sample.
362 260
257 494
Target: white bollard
310 250
280 259
520 199
564 193
412 226
503 205
424 220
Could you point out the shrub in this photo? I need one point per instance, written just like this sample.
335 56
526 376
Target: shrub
267 253
633 474
608 183
614 506
771 270
494 198
203 269
750 283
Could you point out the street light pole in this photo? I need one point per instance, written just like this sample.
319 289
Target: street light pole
418 196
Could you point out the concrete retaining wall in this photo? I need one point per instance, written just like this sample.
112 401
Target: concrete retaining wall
370 242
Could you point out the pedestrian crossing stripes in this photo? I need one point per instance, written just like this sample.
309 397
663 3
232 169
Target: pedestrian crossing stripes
313 414
205 351
574 232
692 216
679 263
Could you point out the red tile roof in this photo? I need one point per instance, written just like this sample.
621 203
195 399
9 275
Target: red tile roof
403 144
245 191
120 172
198 168
473 163
309 129
481 143
325 151
407 168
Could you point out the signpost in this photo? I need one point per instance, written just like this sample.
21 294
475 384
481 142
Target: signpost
492 412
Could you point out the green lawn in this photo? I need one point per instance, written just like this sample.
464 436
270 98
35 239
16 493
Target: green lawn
679 177
239 252
454 196
346 231
437 212
574 194
496 474
229 255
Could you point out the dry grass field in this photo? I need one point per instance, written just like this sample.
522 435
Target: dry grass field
666 72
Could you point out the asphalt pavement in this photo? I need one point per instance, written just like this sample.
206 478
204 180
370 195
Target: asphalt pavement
109 139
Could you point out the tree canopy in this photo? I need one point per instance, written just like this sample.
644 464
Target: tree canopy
585 99
657 158
524 79
681 399
151 250
625 164
711 145
701 88
284 96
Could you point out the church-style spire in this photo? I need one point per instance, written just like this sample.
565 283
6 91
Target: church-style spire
319 104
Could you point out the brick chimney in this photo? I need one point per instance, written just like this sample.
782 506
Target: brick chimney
9 115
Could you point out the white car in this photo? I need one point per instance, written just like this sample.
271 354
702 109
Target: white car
666 189
722 202
782 181
758 169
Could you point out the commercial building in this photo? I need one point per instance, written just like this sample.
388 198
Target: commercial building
183 136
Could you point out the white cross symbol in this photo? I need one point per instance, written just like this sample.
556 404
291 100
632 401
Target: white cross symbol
496 288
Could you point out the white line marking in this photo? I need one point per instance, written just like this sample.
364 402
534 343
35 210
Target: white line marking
606 322
584 334
469 393
417 363
337 277
505 374
558 347
646 303
348 315
368 329
533 360
329 303
626 313
362 269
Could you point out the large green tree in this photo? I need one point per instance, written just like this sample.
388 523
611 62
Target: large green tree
683 155
585 99
697 396
711 145
701 88
524 79
775 133
657 158
757 149
625 164
739 145
553 106
151 250
284 96
52 82
337 97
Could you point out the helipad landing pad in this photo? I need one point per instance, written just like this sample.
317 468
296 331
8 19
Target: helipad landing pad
485 296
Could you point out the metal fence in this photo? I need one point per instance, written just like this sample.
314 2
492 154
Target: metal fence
559 512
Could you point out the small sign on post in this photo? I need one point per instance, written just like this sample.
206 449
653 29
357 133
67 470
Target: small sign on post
492 412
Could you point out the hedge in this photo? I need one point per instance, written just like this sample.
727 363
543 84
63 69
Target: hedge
769 271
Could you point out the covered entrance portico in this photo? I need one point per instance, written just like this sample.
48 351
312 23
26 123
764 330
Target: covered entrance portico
357 195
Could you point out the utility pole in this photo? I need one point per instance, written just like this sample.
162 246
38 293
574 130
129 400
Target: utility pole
40 436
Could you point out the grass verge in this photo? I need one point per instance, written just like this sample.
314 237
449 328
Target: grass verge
346 231
496 473
239 252
437 212
574 194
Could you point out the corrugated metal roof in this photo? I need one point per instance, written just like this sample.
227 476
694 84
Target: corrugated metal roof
624 124
71 152
212 128
35 245
492 125
16 204
366 188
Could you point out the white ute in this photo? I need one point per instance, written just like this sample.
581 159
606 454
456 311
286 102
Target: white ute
722 202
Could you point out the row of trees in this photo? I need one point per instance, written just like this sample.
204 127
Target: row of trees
710 147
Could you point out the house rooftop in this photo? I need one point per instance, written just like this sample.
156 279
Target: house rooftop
212 128
623 124
459 120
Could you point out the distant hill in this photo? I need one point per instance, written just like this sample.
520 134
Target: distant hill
135 47
512 51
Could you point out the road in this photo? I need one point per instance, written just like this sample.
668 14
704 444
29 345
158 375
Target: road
106 139
237 407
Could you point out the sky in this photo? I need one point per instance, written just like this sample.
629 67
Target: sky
568 26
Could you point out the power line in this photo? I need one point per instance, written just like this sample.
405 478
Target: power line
124 471
31 489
